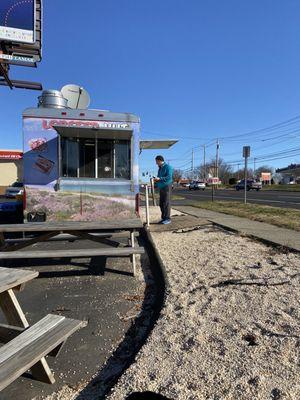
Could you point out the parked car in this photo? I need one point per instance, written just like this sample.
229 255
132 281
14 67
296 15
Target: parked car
197 185
16 189
251 185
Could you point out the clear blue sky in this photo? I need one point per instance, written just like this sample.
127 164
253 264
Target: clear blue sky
193 70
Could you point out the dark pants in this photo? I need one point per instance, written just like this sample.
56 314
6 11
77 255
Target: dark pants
165 202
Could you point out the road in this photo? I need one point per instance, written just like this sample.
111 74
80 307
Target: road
281 199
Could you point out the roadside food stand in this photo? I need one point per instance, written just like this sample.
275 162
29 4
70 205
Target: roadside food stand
80 165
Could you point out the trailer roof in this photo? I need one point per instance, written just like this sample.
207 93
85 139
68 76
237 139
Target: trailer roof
67 113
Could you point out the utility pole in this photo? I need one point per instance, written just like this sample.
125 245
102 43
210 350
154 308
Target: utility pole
217 162
204 161
254 168
238 172
246 155
193 163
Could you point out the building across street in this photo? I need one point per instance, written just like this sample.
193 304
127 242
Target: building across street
290 173
11 167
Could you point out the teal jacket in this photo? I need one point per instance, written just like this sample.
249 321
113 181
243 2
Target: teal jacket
165 173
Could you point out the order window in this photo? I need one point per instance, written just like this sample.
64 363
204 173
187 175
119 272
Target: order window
95 158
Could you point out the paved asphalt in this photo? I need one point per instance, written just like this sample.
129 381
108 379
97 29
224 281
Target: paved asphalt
100 291
272 198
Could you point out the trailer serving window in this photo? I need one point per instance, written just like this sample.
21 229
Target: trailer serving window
95 158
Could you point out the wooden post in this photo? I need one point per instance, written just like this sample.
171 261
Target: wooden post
2 241
147 206
153 191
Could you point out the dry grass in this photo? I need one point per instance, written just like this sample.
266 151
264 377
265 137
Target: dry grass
173 197
283 217
285 188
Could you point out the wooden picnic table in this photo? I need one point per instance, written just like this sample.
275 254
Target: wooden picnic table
13 280
87 230
25 347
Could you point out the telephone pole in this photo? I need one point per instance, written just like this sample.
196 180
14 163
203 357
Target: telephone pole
193 163
204 161
217 162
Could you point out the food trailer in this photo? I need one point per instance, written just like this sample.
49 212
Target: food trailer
81 164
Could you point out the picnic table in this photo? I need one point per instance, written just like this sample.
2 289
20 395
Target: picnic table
25 347
97 231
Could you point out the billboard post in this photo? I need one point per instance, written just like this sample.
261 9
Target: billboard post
20 39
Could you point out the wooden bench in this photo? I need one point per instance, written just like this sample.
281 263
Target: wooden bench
46 337
73 253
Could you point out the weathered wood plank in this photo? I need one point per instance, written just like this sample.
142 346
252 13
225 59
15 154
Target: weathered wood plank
133 223
12 278
15 316
74 253
21 353
67 236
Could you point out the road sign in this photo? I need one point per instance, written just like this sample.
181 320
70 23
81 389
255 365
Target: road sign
246 151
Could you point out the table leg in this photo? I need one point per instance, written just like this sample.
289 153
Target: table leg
15 316
2 241
133 256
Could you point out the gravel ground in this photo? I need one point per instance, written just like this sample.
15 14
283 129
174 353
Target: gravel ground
230 327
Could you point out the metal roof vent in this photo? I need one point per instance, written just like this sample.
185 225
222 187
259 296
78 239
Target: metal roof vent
52 99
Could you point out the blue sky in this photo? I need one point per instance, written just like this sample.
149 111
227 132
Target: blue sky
193 70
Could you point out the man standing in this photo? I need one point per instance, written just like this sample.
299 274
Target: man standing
164 182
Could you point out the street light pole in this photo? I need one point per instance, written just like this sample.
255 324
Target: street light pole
217 162
204 161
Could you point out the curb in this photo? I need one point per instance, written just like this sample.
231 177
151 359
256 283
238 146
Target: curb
160 274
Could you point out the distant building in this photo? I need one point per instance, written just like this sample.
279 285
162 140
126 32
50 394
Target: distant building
290 173
11 167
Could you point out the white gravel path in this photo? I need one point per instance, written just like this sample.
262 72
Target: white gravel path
230 328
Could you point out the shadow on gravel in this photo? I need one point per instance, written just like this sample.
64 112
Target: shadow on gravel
146 396
137 334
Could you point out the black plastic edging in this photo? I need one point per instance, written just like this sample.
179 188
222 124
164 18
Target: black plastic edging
161 285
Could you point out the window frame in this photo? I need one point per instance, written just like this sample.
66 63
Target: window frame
97 139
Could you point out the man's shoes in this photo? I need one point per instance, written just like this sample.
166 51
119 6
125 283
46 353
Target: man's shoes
161 221
166 222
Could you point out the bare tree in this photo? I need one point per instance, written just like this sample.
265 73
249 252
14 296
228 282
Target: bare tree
177 175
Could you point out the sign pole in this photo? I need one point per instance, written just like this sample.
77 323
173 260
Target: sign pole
245 184
246 154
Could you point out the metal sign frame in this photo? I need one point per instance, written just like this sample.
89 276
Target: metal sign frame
22 54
